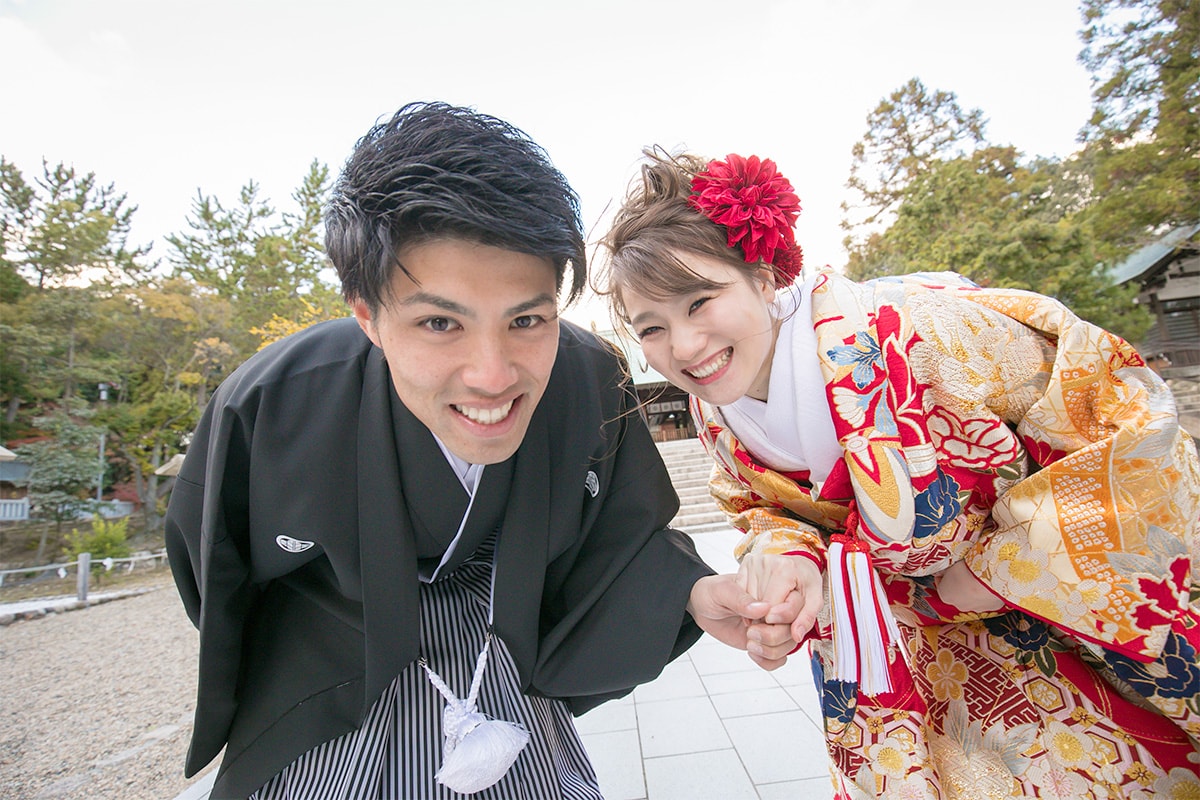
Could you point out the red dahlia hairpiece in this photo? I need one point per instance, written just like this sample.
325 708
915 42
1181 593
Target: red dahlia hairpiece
756 205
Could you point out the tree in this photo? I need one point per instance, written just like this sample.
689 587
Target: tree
1144 56
65 247
23 349
1003 223
908 131
145 434
266 265
62 469
16 208
68 228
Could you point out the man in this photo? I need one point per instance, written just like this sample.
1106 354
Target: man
363 505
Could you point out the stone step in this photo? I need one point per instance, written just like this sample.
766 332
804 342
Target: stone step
700 459
689 466
690 522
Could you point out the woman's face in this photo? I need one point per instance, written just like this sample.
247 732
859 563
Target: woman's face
715 344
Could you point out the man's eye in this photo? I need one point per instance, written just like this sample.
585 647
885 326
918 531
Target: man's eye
438 324
527 321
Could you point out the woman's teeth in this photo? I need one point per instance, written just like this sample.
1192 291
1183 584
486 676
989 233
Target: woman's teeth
711 367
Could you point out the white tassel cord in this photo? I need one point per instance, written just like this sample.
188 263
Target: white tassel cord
863 626
478 750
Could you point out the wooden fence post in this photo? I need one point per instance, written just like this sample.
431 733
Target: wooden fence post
85 572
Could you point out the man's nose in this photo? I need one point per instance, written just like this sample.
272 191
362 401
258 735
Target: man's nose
491 368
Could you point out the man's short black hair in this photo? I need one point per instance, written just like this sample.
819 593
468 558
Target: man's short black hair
438 171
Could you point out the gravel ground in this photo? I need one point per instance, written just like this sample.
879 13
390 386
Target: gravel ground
96 703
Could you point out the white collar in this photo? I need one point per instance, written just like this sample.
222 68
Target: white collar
468 473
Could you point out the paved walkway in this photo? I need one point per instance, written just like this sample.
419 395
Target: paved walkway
52 605
713 726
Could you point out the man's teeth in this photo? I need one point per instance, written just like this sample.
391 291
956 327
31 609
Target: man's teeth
705 371
485 416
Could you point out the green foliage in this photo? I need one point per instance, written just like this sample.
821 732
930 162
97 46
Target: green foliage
1045 225
65 252
265 264
107 539
1002 223
67 226
906 132
64 468
78 309
1144 56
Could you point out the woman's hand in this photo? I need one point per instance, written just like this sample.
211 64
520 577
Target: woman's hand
958 586
728 613
793 586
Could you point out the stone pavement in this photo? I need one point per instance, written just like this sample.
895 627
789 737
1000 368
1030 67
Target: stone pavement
713 726
40 607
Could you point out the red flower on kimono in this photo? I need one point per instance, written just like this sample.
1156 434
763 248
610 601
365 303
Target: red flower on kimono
757 207
1041 451
1164 596
982 444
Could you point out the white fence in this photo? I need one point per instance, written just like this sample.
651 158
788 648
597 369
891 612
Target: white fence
18 510
14 510
83 569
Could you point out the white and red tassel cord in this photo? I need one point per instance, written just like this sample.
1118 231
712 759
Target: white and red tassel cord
864 629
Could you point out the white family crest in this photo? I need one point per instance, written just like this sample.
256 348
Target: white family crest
292 545
592 483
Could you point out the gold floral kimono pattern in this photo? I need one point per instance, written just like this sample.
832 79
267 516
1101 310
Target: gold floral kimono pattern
995 426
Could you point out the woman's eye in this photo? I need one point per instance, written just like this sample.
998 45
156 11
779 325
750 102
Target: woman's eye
695 306
650 331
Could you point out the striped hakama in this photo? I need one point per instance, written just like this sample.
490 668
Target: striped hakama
397 751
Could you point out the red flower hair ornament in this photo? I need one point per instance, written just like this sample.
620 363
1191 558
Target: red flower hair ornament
757 207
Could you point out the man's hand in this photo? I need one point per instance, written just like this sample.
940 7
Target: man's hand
959 587
791 584
728 613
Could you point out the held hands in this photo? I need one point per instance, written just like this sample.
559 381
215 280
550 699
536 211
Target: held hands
728 613
791 584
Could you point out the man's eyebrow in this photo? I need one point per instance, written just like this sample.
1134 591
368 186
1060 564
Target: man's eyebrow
529 305
425 298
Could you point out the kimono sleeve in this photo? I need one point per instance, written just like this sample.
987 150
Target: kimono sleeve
1098 541
767 528
205 539
617 613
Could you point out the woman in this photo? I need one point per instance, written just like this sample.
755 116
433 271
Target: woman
1007 480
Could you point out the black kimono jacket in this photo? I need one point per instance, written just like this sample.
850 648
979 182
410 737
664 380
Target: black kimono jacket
292 547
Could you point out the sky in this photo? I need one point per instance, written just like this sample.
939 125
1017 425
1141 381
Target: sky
167 98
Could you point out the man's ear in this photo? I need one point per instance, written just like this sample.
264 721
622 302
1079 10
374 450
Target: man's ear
362 313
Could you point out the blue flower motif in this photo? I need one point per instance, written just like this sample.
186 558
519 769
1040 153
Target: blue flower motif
839 701
864 354
884 421
1022 632
1182 678
936 506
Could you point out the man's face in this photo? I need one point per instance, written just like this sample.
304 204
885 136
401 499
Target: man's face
470 342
